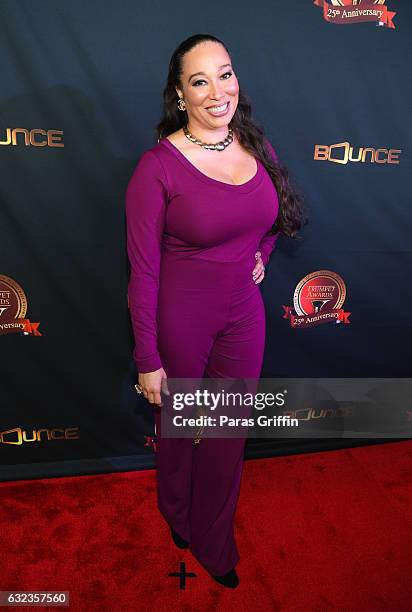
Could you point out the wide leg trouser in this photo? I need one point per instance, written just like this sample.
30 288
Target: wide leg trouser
211 322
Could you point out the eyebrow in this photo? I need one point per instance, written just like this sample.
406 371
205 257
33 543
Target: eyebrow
197 73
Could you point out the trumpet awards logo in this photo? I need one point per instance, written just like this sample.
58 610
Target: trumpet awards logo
318 298
13 308
342 12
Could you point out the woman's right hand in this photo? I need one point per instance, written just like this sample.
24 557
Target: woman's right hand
152 383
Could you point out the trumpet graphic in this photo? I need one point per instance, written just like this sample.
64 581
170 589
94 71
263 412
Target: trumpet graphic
354 2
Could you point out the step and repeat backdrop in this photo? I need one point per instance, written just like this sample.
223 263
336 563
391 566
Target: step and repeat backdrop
81 94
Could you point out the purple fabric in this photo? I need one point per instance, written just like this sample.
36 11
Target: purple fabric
174 211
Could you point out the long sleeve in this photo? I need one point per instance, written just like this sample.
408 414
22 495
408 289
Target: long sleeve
146 199
267 244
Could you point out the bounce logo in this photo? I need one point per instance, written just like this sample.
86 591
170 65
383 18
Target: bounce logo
18 436
342 12
308 414
317 299
36 137
13 308
342 153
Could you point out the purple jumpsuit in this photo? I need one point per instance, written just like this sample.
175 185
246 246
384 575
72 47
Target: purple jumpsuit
196 311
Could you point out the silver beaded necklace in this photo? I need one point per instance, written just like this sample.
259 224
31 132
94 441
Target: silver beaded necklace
218 146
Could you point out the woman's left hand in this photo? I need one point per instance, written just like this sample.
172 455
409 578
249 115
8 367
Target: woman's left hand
258 273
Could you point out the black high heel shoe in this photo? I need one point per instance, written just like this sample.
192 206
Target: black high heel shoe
230 580
180 542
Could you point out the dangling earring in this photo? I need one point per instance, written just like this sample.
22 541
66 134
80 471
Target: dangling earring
181 105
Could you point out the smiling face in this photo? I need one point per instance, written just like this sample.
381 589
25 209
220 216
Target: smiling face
215 86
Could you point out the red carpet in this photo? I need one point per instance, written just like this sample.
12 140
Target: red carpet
316 532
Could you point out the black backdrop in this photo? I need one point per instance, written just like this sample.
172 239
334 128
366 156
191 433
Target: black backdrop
83 82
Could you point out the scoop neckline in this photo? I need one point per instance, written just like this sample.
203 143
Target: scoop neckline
243 187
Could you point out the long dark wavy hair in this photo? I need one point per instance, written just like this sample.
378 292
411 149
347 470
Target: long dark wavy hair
291 215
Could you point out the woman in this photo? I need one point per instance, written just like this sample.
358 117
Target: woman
204 208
